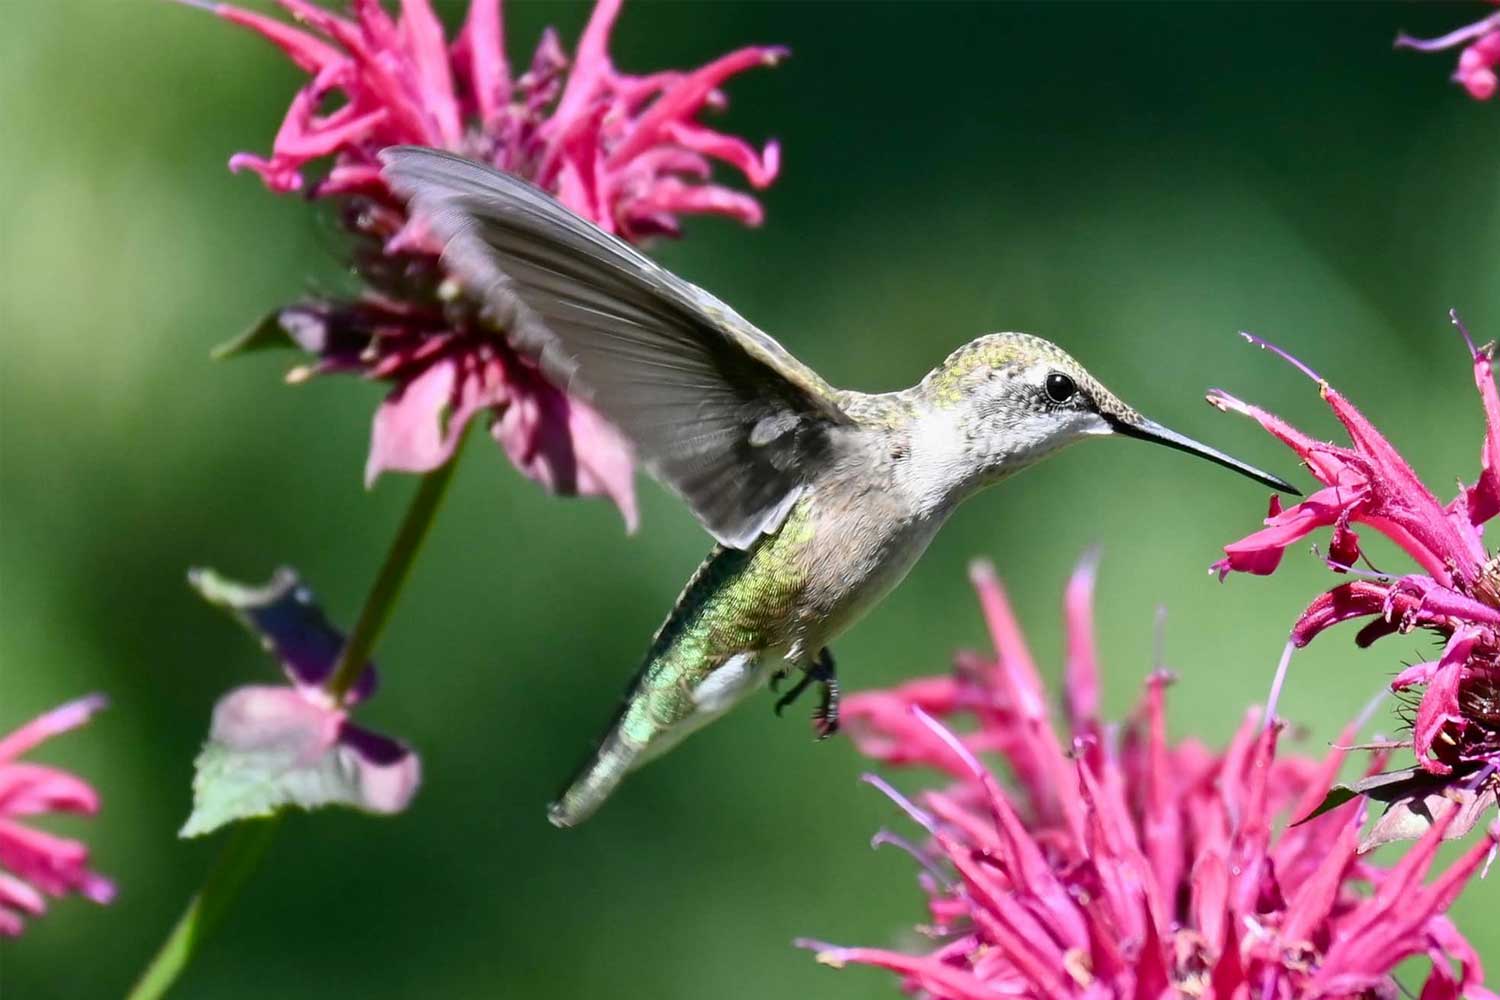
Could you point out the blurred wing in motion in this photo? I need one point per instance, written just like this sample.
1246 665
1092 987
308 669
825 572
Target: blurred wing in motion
717 410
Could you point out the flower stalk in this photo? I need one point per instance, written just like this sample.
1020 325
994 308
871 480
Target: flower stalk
247 845
251 839
387 587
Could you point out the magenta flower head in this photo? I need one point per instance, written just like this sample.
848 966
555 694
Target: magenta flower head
626 152
34 864
1115 865
1479 53
1455 595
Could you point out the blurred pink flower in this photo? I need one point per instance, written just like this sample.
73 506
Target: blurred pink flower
1477 60
271 746
1117 865
626 152
1456 730
33 864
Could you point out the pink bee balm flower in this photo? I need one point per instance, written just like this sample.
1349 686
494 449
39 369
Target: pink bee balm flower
1456 594
33 864
1116 865
1477 59
626 152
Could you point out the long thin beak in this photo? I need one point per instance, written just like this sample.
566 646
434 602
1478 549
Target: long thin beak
1150 430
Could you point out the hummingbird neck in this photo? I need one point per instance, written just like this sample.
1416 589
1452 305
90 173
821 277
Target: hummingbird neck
944 461
955 448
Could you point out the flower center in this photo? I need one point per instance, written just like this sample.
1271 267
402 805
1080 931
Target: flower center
1486 586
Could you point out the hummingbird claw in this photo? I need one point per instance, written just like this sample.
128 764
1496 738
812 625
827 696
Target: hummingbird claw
825 717
795 691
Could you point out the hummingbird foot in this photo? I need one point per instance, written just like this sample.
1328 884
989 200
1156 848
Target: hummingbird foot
826 716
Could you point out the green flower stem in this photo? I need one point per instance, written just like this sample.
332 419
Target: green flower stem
250 839
377 610
241 856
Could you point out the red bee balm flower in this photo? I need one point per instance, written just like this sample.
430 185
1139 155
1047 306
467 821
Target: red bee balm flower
625 152
1119 866
1456 730
33 864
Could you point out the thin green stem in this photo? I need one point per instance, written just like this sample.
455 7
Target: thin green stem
377 608
241 856
250 839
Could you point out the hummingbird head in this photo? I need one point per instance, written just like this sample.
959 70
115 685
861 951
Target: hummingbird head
1007 400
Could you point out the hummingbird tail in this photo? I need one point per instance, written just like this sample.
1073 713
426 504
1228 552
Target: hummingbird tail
669 698
623 748
596 781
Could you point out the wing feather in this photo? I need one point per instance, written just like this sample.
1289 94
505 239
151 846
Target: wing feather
717 410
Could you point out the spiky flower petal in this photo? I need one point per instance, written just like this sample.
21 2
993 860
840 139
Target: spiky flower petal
1106 863
626 152
1456 594
35 864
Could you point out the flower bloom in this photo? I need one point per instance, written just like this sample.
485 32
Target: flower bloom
1477 59
1117 865
1456 594
33 864
623 151
293 744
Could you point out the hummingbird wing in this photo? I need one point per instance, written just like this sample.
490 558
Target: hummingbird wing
717 410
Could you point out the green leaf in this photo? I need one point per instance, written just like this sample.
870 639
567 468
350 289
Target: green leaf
1414 800
231 785
1381 787
1337 796
272 747
265 333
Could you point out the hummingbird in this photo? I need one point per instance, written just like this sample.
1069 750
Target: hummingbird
819 499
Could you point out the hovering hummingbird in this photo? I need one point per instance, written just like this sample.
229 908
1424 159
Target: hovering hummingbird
820 499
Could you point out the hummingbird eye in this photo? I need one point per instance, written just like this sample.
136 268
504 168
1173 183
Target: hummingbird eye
1059 387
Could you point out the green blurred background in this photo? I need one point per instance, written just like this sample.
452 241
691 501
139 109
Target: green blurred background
1136 181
